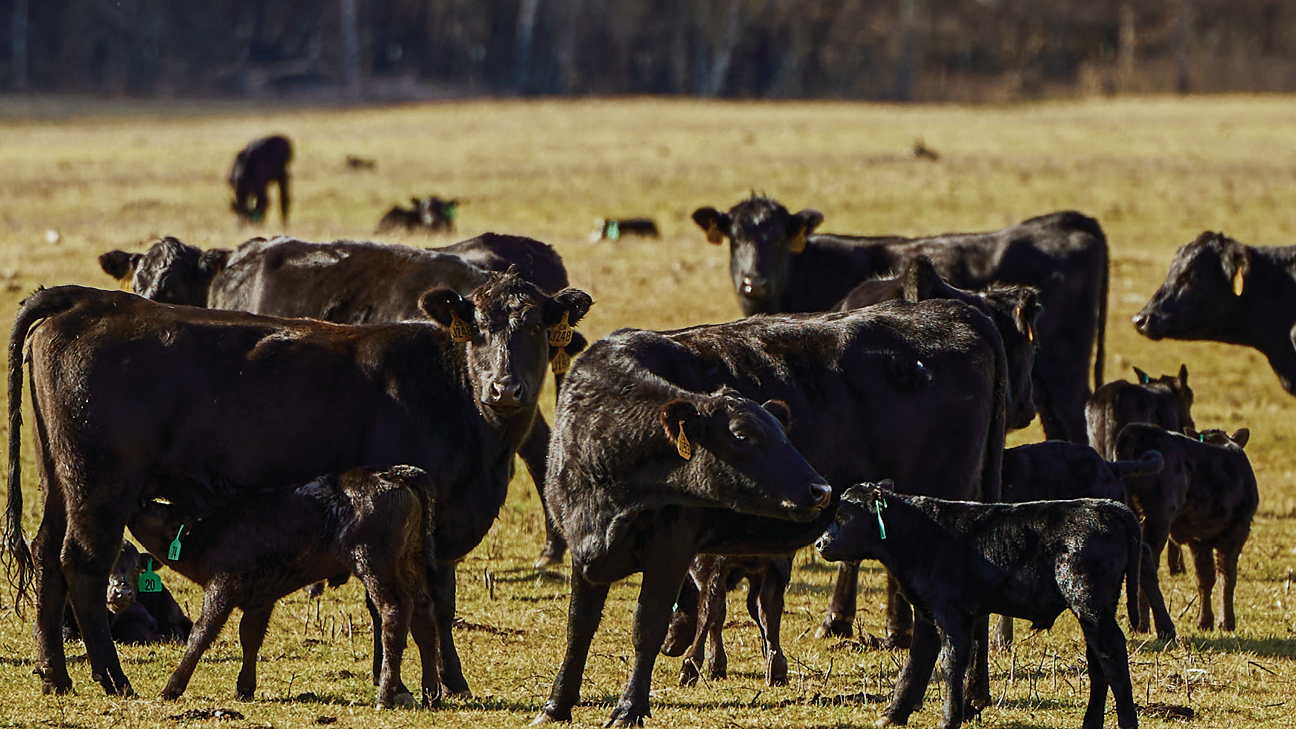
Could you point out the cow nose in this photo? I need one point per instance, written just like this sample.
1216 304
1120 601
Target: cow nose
820 495
754 286
1140 321
506 396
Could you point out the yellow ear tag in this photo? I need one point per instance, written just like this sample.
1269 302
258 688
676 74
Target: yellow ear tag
560 334
459 331
560 363
1237 282
714 235
798 242
682 444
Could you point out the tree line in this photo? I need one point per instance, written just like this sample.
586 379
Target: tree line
970 50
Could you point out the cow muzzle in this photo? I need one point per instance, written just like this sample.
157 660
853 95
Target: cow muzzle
754 287
1146 324
819 496
504 398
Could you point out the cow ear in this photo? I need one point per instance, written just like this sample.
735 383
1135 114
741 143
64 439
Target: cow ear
1241 437
920 279
1192 434
714 222
1183 375
886 485
1143 378
119 264
781 412
801 225
683 424
452 311
1237 264
572 302
212 262
1026 312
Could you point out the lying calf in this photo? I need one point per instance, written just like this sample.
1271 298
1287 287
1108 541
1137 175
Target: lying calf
957 561
1204 498
134 616
372 523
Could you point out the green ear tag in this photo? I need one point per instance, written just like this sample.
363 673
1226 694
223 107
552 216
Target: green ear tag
450 211
149 580
881 504
613 230
174 552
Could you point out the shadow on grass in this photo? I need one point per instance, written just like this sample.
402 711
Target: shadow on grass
1271 647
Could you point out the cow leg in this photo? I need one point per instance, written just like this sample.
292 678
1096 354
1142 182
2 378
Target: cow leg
51 599
772 589
1174 559
718 660
375 621
1151 600
583 615
86 567
282 180
215 611
252 630
442 583
1003 635
977 687
534 452
707 571
424 629
911 684
1226 568
1060 393
956 653
840 620
684 621
1204 564
1108 667
900 618
661 583
395 609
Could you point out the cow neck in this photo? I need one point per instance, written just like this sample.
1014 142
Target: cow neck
1270 315
829 268
914 520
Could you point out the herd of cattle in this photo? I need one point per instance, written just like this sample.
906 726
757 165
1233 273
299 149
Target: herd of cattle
288 412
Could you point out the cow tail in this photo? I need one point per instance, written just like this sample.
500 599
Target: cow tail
1101 337
1151 462
1134 564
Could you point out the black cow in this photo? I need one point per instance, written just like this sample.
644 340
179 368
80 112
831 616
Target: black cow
958 561
914 390
1220 290
1013 309
777 265
1205 497
196 406
615 229
349 282
263 161
135 616
430 214
373 523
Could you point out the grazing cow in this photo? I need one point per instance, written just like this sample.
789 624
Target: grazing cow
135 616
349 282
373 523
778 266
1204 498
714 576
1056 470
1220 290
1013 309
910 389
430 214
614 229
958 561
263 161
196 406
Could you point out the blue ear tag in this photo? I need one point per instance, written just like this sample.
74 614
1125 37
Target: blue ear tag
149 580
1201 437
881 504
174 552
613 230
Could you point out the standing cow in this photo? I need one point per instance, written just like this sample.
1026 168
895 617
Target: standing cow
196 406
263 161
777 265
915 391
1220 290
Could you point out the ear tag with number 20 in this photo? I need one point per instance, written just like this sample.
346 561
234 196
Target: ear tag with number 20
149 580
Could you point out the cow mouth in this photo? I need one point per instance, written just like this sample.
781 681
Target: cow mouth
505 409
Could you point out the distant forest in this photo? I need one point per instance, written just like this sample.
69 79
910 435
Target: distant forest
961 50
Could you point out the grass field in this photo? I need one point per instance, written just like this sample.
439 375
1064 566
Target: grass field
1156 172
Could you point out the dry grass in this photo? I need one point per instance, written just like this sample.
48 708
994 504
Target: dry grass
1156 172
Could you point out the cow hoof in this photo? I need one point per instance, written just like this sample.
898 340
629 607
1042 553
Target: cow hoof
834 627
777 672
688 673
901 641
547 562
884 721
1169 635
402 700
626 715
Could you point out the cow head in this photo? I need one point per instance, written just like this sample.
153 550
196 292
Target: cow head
170 271
505 326
1202 291
1215 436
436 213
156 524
763 240
859 529
123 578
739 455
1014 310
1174 398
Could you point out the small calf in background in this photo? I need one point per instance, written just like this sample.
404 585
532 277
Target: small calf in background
1205 498
615 229
359 163
429 214
714 577
957 561
373 523
263 161
135 616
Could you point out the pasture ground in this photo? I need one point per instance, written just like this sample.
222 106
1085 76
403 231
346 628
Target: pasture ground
1156 172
